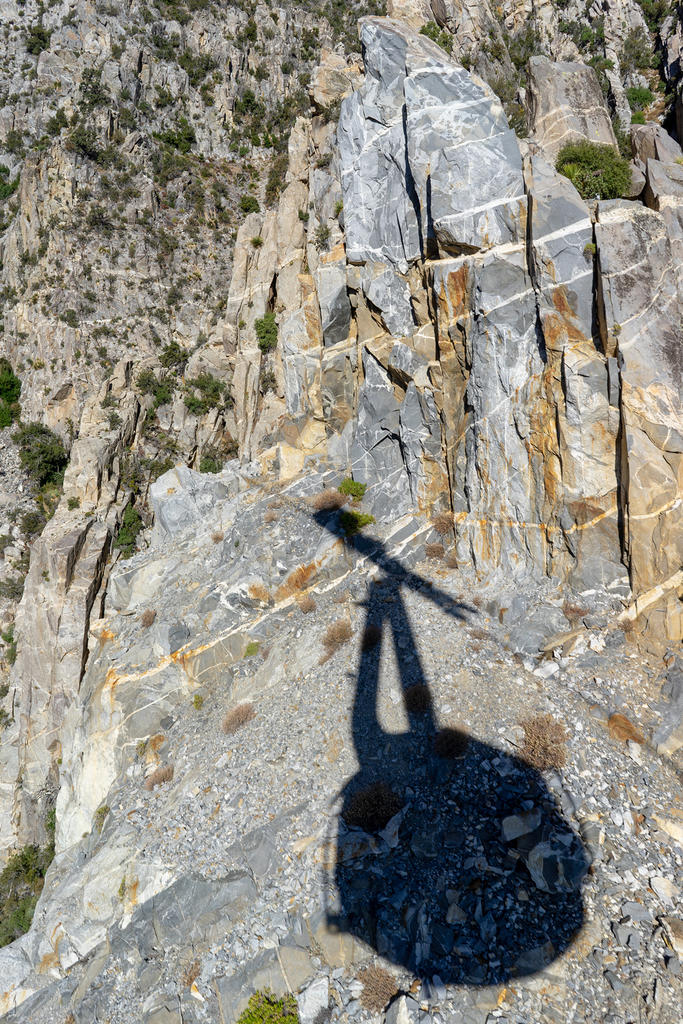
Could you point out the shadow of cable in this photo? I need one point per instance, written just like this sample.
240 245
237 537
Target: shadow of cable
452 857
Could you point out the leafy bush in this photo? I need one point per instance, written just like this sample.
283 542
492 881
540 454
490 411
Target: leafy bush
37 39
266 332
249 204
352 522
41 452
209 462
437 35
84 142
10 389
637 51
265 1008
126 538
321 236
639 97
7 187
354 488
182 137
210 390
21 883
596 171
174 356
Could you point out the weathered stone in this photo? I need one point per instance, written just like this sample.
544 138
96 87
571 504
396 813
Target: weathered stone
642 326
565 104
664 185
652 142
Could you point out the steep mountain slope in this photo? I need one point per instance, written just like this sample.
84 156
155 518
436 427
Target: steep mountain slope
318 268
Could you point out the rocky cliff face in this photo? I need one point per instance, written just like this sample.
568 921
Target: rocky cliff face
418 300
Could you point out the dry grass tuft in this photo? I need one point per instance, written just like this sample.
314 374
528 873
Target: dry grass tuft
434 550
217 536
296 580
443 523
148 617
417 698
329 500
163 774
372 635
236 717
270 516
191 973
306 603
544 742
450 743
451 560
338 633
156 742
378 988
257 592
372 808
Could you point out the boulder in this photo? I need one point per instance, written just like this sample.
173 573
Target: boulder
652 142
565 104
664 185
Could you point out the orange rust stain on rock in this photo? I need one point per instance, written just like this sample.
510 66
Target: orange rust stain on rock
620 728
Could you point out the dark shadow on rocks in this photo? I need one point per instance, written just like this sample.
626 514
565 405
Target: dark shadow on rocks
453 858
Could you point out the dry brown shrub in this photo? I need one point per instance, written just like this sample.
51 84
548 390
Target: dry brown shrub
574 612
306 603
417 698
156 742
544 742
148 617
451 560
378 988
270 516
443 523
372 634
236 717
296 580
163 774
338 633
217 536
329 500
620 728
372 808
434 550
450 743
257 592
191 973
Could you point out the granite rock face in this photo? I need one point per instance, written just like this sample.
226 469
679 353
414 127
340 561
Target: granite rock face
565 104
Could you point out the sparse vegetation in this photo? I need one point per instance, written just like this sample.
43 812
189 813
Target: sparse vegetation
433 551
338 633
131 525
352 522
251 649
266 1008
353 488
21 883
237 717
306 603
437 35
443 523
544 742
159 776
41 453
372 808
101 816
378 988
595 171
148 617
266 332
198 702
329 500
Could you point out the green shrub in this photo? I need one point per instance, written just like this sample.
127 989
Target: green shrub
638 117
321 236
174 356
251 649
21 883
84 142
265 1008
249 204
209 463
32 523
37 39
639 97
10 389
437 35
7 187
126 538
353 488
353 522
210 390
595 171
41 453
182 137
101 816
637 51
266 332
